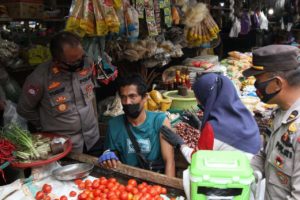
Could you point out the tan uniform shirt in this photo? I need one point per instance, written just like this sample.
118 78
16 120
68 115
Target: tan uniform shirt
280 160
61 102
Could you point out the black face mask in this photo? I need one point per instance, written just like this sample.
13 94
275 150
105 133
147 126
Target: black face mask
132 110
201 107
261 91
74 67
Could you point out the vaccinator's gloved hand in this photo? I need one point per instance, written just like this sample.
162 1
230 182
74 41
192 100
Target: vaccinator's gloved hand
172 137
192 119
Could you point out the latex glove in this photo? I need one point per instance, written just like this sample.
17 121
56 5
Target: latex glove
172 137
192 119
108 159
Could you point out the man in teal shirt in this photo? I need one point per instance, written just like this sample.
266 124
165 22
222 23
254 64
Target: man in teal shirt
144 125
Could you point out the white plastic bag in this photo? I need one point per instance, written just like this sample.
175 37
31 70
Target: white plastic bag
10 115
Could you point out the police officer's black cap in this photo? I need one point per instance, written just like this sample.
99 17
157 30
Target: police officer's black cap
274 58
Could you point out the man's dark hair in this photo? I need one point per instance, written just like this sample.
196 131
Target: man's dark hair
59 40
134 79
291 76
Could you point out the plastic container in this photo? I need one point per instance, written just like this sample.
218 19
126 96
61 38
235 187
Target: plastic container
220 175
181 102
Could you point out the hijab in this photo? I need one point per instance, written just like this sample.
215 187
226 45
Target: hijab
231 120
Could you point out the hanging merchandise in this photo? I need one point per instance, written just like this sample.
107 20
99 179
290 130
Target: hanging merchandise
157 15
150 18
101 27
167 13
105 71
175 16
88 21
132 22
75 16
200 27
110 16
140 7
231 8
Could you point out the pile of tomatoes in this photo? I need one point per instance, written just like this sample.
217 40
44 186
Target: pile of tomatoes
111 189
108 189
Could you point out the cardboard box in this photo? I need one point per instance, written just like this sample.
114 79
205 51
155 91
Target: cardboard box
24 9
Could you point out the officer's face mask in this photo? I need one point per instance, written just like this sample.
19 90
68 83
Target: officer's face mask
132 110
261 90
78 65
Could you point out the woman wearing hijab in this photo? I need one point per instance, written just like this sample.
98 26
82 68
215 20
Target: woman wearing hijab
226 125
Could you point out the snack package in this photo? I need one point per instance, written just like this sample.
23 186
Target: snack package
110 16
132 21
75 16
88 21
101 27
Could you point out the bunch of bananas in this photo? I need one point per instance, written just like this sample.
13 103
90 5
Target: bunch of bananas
155 101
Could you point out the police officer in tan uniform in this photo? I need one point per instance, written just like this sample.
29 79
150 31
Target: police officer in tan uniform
277 72
58 96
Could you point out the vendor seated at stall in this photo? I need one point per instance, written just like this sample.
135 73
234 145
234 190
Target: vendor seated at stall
226 125
141 126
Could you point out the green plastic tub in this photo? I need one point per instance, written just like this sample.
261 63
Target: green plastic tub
181 102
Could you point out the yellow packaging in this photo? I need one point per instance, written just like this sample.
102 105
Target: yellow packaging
101 27
76 15
88 23
156 96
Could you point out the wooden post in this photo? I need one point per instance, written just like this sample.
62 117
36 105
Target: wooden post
133 172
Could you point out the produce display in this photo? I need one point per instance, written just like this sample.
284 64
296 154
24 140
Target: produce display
33 149
6 154
189 134
156 101
107 188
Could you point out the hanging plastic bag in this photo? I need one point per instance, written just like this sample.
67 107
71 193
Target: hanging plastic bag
88 21
101 27
236 28
75 16
10 115
132 21
110 16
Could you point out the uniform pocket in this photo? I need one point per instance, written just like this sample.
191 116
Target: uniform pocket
88 92
280 170
61 104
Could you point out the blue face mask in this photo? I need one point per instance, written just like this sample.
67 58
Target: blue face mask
261 90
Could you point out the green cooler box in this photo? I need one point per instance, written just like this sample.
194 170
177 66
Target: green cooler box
220 175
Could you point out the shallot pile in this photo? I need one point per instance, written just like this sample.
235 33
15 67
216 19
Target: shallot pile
189 134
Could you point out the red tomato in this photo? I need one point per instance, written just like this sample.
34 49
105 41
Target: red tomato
101 187
158 188
124 196
97 198
144 190
97 193
163 190
103 181
121 187
129 188
132 182
95 184
40 195
47 188
81 186
47 198
105 190
134 191
113 180
153 192
63 198
78 181
88 183
110 185
72 194
140 187
82 196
